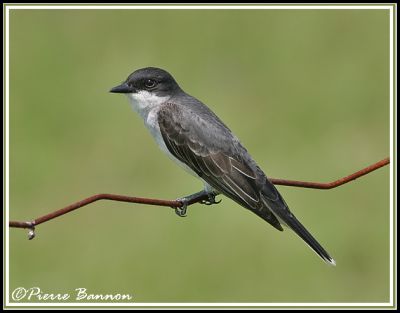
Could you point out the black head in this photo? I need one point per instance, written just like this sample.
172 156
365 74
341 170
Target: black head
151 79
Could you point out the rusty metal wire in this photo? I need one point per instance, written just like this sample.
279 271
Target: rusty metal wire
336 183
175 204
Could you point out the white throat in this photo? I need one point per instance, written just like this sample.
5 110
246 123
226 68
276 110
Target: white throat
144 102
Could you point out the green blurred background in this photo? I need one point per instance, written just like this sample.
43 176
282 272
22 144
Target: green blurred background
306 91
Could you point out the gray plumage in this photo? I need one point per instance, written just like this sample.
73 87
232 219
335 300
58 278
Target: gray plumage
196 137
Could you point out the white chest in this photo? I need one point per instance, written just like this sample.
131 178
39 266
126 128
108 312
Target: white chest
147 106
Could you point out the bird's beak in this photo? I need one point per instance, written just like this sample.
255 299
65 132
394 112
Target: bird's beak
123 88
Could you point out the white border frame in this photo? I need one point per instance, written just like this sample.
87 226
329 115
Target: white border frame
7 8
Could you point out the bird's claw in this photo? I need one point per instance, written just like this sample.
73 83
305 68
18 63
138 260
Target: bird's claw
181 211
211 200
31 233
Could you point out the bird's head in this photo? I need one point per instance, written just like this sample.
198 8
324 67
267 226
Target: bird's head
150 80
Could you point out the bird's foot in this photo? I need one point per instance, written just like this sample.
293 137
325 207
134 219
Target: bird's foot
211 200
181 211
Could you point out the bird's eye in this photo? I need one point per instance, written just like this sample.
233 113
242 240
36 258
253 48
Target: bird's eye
150 83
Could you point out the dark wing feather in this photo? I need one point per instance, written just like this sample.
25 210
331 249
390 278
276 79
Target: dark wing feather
209 152
200 140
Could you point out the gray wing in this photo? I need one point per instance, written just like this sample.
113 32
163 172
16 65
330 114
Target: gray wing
199 139
206 145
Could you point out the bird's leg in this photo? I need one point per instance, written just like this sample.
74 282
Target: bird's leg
181 211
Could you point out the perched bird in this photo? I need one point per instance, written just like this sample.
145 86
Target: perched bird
194 137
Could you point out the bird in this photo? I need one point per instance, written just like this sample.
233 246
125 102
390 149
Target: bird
196 139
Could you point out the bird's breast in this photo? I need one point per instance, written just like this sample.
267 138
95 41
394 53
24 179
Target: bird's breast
153 126
148 106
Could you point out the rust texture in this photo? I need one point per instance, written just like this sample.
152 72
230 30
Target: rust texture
336 183
174 203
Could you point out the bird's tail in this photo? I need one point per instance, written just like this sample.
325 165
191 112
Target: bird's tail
287 218
303 233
